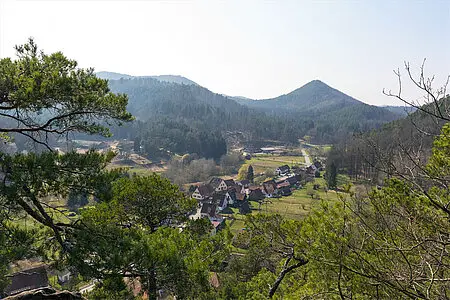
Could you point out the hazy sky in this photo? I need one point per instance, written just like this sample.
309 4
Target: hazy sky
257 49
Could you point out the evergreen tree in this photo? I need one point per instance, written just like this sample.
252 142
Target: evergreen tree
330 175
250 175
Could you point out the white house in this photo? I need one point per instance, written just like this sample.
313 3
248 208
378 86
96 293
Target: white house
203 192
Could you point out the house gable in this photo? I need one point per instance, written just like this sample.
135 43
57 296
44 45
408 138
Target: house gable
284 169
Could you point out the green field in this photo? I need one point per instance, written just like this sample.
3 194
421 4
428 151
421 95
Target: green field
261 163
296 206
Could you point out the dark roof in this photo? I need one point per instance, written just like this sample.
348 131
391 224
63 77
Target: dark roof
311 169
208 209
222 201
283 168
218 197
244 182
27 280
245 208
292 180
318 164
229 183
236 187
205 190
232 194
285 191
215 182
256 194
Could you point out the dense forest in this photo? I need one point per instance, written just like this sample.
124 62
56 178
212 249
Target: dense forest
375 154
316 110
330 115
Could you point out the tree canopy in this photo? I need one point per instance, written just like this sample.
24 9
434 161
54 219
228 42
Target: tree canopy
133 229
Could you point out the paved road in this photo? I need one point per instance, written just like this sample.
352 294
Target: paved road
307 158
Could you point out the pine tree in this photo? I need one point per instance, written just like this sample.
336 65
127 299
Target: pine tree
250 174
331 176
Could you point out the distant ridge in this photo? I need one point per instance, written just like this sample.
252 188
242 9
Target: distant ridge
112 75
163 78
402 110
315 109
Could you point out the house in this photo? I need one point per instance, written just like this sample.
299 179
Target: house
241 198
255 194
208 210
218 184
282 184
233 198
244 183
269 187
203 192
240 189
63 276
318 165
245 208
230 184
26 280
283 170
293 180
221 200
311 170
285 191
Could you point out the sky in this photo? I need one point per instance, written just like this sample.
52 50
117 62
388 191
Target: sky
256 49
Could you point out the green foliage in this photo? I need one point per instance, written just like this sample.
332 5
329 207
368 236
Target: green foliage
250 175
49 94
242 173
389 244
331 175
113 288
152 200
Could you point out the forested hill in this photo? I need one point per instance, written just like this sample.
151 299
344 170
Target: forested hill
401 110
187 118
332 115
315 109
166 78
369 154
314 96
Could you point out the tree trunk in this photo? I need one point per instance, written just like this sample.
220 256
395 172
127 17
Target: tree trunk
283 273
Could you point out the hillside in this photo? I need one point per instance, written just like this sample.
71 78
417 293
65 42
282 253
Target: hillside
401 110
316 110
163 78
369 153
184 118
331 114
313 96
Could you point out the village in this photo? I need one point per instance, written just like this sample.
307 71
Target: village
219 199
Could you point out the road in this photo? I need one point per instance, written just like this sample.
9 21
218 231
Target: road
307 158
